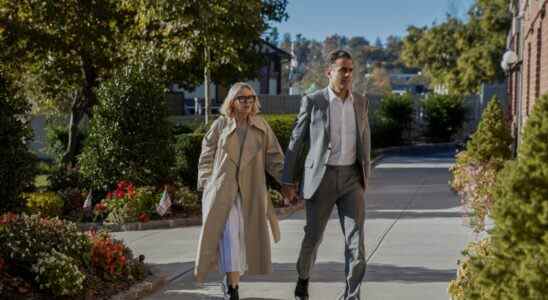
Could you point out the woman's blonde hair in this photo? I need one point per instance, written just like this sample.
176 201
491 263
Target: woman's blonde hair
227 109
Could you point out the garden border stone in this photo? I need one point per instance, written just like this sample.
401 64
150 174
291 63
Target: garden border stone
152 283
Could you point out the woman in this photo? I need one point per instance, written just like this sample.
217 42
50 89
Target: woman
236 152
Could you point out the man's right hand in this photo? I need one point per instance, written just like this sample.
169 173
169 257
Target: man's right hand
289 191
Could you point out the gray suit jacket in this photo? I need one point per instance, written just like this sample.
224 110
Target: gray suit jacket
312 131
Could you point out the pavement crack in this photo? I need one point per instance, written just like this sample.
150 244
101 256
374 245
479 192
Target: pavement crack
401 214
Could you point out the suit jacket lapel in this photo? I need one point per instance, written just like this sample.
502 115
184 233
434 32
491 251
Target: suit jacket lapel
325 108
359 115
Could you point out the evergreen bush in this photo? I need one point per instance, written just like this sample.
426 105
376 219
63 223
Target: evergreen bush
445 115
17 163
517 264
476 169
129 137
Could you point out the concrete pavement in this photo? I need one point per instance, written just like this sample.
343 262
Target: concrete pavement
415 232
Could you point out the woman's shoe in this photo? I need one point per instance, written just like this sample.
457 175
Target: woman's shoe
233 293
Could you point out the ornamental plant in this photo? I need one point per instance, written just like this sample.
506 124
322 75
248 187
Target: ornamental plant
128 204
58 273
517 268
53 259
47 203
476 168
129 136
108 257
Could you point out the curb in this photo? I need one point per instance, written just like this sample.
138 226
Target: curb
148 286
281 212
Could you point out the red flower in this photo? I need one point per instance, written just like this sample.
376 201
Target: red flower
119 194
144 217
131 191
109 195
100 207
7 218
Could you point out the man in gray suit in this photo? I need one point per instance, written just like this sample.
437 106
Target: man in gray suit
333 123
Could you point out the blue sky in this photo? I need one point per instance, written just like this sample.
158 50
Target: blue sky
317 19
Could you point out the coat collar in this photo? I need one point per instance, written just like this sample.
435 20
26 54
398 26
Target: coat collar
254 121
251 145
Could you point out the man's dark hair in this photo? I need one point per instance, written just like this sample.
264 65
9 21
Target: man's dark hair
336 54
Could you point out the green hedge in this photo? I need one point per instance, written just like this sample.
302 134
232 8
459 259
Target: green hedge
445 115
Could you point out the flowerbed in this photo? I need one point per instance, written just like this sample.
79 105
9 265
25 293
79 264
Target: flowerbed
43 258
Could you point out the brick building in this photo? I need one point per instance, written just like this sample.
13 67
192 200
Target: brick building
528 74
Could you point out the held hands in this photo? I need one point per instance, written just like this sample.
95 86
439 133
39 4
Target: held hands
289 191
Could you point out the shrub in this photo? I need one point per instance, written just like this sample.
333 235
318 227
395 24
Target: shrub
395 115
445 115
58 273
17 164
130 136
128 204
23 238
62 178
465 286
476 169
46 203
282 125
54 257
187 154
107 256
185 199
517 267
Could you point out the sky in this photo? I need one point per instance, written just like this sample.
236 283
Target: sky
317 19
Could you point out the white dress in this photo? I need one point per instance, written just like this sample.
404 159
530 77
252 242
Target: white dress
232 256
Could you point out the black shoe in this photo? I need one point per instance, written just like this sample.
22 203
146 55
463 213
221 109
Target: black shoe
301 290
233 293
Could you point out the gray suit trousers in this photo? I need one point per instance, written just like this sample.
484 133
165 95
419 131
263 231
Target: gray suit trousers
340 186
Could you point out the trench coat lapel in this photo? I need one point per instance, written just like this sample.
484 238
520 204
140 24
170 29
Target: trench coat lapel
252 143
231 144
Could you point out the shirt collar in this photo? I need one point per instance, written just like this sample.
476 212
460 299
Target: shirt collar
333 96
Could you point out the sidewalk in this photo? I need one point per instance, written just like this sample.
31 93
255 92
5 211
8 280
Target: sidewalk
414 235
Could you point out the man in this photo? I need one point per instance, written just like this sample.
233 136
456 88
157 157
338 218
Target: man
333 124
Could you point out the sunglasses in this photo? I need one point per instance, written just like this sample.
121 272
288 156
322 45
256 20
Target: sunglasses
247 99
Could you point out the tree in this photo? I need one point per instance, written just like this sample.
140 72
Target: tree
378 83
273 36
66 46
17 164
462 55
69 47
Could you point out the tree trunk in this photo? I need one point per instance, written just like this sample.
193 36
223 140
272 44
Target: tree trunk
82 104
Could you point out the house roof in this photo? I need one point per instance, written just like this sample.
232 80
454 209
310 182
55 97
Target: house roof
268 48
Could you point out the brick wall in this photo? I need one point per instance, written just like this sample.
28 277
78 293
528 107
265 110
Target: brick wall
535 55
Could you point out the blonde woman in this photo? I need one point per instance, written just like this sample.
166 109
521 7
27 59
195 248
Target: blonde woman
236 152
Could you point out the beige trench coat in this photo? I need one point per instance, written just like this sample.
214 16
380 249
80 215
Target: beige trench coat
217 169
